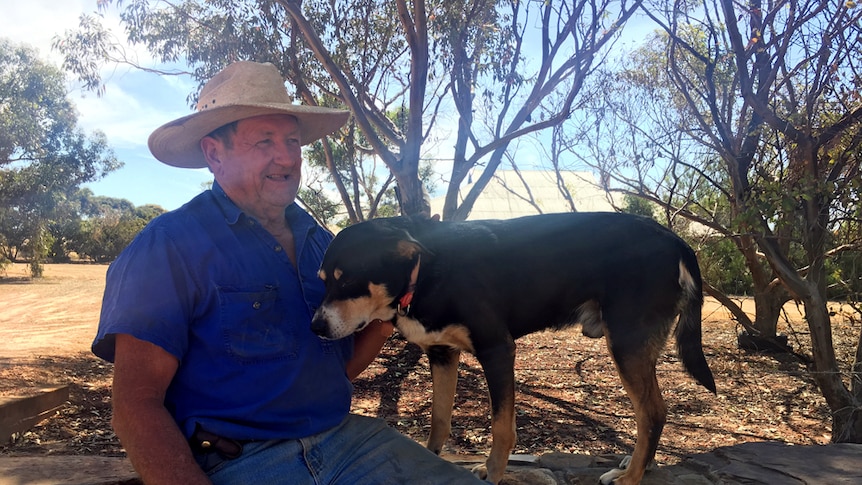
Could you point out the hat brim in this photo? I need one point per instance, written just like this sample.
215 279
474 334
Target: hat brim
178 143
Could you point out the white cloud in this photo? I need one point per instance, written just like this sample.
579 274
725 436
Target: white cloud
121 114
36 22
124 112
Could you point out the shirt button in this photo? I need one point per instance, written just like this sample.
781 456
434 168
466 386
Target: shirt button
256 305
277 248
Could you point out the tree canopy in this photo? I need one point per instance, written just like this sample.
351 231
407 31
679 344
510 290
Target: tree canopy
412 73
746 119
44 155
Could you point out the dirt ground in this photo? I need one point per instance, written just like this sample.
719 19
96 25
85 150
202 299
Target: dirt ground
569 397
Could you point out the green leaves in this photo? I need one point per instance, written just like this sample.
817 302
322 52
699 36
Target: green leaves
44 156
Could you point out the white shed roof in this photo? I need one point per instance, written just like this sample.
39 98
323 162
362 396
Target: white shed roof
514 194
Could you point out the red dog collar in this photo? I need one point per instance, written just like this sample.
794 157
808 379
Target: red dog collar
407 298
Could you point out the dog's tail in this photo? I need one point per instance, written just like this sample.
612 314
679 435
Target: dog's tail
688 330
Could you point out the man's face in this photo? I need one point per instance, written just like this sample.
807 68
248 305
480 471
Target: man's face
261 169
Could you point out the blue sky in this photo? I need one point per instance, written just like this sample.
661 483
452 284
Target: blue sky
134 104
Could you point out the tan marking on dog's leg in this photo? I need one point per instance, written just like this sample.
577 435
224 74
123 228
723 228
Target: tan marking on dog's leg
444 379
638 377
504 436
455 336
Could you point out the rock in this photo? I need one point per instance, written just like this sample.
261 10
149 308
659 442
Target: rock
560 461
529 476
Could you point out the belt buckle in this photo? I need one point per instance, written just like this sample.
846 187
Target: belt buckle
207 442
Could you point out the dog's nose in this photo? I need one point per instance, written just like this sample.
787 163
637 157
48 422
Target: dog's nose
319 326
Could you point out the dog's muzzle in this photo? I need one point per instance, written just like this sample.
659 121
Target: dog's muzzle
329 327
320 326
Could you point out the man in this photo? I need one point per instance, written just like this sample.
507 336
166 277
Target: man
206 315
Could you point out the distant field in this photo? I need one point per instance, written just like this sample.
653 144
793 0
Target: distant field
54 315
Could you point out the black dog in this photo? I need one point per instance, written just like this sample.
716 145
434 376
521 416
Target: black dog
478 286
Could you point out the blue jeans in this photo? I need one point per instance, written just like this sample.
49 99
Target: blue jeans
360 450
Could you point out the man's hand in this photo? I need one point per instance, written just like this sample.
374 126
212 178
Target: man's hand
367 345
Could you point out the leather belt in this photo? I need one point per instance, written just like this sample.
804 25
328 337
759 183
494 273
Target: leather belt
206 442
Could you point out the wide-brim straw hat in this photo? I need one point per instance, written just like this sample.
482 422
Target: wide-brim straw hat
241 90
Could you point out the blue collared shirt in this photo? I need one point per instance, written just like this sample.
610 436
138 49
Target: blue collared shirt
214 289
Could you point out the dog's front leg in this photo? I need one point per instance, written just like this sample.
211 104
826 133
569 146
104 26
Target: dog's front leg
444 379
499 367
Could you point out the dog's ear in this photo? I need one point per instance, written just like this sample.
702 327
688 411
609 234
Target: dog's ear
399 228
409 248
422 218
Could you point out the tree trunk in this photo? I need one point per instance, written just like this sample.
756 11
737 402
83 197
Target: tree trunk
411 195
768 303
856 376
846 411
768 296
764 336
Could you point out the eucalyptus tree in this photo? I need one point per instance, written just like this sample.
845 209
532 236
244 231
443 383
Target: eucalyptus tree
766 113
646 140
412 73
44 155
797 69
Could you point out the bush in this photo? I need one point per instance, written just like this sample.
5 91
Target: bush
723 266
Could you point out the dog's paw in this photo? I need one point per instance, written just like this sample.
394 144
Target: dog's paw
625 462
481 471
609 477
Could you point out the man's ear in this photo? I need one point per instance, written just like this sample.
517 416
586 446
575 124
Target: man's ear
212 150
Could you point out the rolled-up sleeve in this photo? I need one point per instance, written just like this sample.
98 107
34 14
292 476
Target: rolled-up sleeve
149 294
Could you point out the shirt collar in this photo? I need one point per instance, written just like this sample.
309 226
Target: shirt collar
230 210
299 220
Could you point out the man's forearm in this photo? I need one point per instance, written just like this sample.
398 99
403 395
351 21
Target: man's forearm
155 446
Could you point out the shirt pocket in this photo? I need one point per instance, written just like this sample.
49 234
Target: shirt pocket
254 326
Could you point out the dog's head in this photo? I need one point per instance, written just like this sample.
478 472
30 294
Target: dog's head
366 269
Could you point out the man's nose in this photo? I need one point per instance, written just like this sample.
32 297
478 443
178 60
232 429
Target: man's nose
287 155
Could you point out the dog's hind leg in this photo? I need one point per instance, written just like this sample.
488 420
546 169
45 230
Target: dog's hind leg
637 367
444 380
498 365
